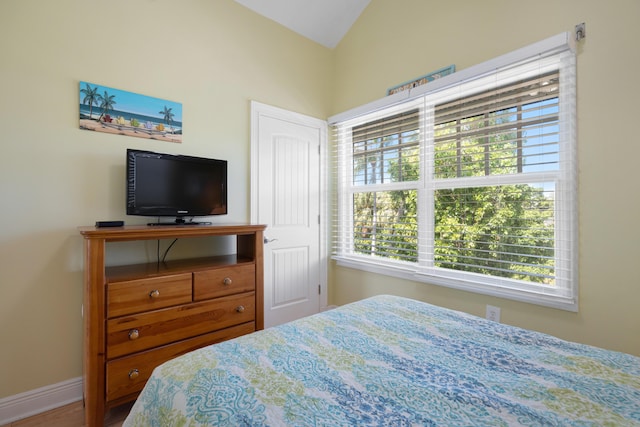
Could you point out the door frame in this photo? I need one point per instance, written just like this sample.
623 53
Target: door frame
263 110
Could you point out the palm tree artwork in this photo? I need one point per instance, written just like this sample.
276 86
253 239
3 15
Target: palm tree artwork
128 113
90 97
167 116
106 104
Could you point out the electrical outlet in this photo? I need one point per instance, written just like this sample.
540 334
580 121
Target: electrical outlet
493 313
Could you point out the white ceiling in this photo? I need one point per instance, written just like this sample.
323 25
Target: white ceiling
323 21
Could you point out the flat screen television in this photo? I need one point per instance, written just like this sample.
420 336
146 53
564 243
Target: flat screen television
169 185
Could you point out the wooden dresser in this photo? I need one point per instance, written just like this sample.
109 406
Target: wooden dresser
139 316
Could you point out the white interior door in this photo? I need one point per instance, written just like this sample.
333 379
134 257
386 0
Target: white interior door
288 195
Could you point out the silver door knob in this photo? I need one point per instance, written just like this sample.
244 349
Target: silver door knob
268 240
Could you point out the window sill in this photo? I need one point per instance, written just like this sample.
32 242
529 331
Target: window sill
410 273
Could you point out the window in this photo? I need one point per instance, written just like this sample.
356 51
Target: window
386 157
503 229
471 186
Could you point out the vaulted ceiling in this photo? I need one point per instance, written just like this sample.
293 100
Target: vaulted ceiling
323 21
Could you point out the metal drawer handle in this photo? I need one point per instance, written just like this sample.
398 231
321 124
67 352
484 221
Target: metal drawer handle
134 334
133 374
154 294
227 281
240 308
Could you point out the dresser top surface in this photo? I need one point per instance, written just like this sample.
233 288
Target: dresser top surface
142 232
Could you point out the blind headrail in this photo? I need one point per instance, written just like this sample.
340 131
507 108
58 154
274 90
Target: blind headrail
549 46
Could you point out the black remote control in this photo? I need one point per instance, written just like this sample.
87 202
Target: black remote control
100 224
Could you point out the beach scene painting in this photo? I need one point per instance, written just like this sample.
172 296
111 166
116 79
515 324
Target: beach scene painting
105 109
434 75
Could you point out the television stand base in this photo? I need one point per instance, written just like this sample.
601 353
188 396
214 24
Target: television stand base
178 221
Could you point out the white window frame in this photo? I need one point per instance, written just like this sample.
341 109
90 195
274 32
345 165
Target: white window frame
545 54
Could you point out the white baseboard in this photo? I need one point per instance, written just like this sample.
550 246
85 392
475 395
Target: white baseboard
43 399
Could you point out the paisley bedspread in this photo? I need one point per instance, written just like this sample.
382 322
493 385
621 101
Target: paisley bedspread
397 362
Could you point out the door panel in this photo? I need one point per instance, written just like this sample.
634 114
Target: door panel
289 269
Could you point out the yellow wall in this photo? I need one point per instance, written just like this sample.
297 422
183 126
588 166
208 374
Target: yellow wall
213 56
393 42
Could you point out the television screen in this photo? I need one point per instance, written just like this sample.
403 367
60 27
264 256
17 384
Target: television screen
173 185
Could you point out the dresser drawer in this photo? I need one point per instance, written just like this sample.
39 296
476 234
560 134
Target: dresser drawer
127 375
136 296
223 281
130 334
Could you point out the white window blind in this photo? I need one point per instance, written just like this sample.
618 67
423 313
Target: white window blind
385 165
471 185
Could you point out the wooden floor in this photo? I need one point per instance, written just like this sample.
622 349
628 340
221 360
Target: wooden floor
71 415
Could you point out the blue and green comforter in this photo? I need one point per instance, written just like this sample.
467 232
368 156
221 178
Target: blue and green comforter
397 362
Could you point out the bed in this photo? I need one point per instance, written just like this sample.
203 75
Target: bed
393 361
